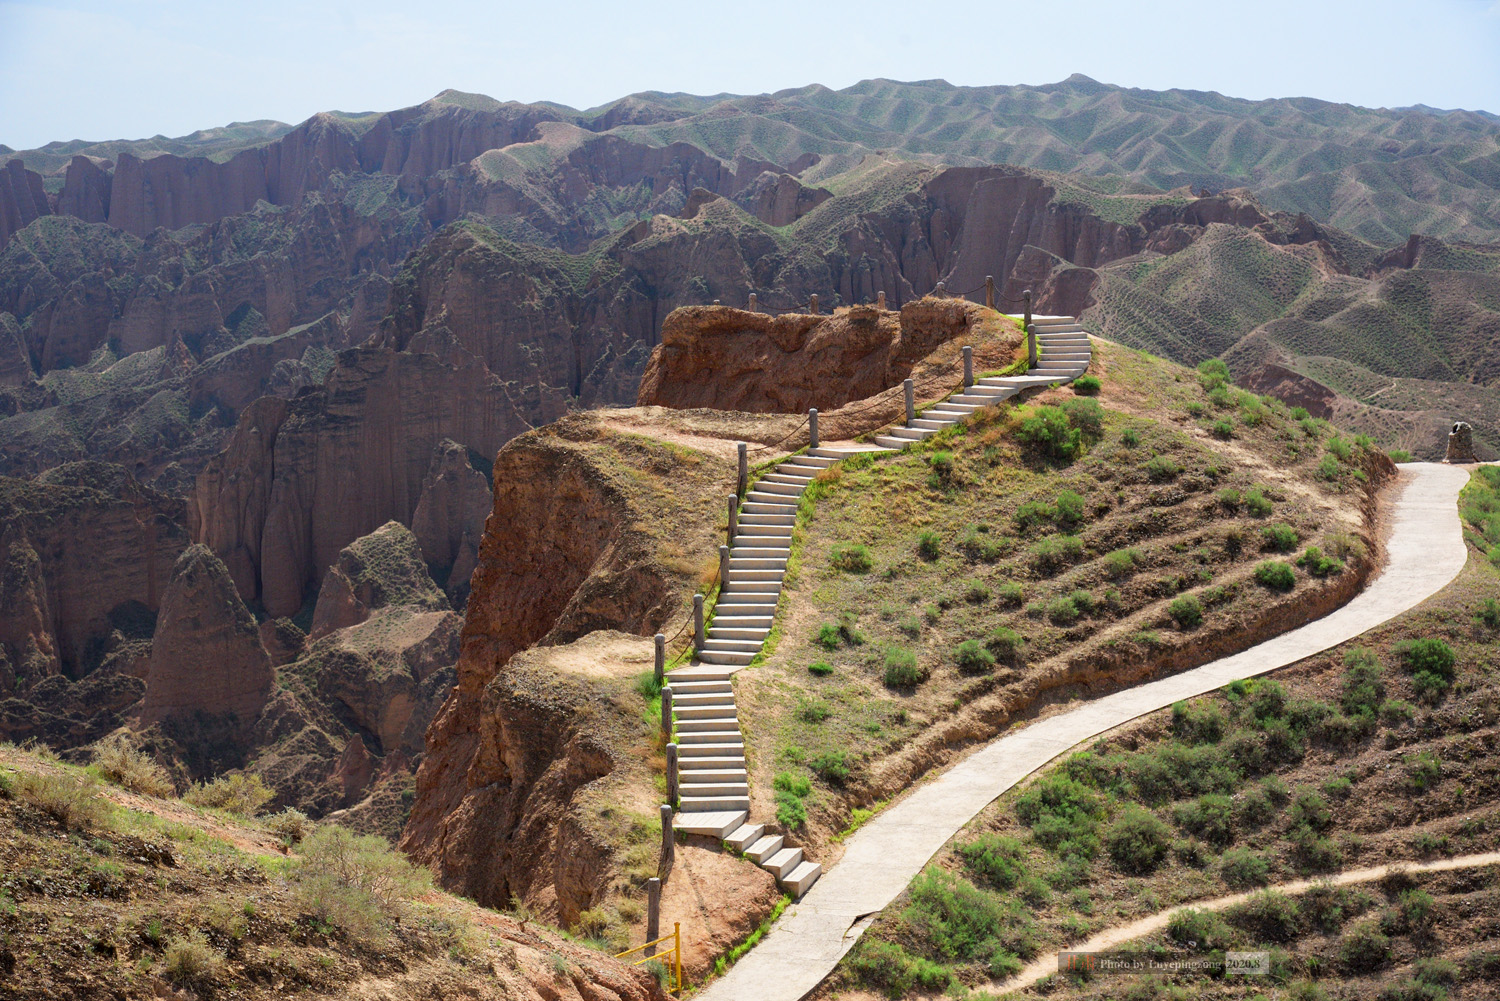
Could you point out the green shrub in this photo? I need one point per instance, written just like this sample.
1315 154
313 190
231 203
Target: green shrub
1339 447
901 668
72 803
791 812
1130 438
1137 840
1083 601
1220 397
122 763
1032 513
978 544
1012 593
1254 808
942 467
1062 611
850 558
1276 575
1399 455
820 668
885 965
1489 614
831 766
1210 817
1241 869
1213 374
356 882
1363 686
1161 468
1087 385
1230 498
994 859
972 658
189 961
828 636
832 635
239 792
1281 537
1310 810
1085 415
1055 552
1429 654
1364 948
1319 565
1202 930
1186 611
960 921
1223 429
1006 644
812 710
1269 915
290 825
1423 771
976 592
1197 725
1069 509
1122 562
929 545
1257 503
1050 433
791 782
1430 687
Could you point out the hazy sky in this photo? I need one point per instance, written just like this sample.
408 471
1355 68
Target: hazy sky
125 69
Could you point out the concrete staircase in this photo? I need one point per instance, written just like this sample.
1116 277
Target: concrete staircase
713 786
1062 356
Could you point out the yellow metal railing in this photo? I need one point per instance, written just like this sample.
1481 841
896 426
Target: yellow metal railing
675 952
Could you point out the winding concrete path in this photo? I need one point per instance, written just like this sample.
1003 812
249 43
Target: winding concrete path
1424 552
1120 934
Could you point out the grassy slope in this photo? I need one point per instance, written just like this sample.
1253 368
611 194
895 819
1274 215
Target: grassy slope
1316 775
101 888
1149 486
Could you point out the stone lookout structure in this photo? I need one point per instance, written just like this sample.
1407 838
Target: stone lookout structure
1460 444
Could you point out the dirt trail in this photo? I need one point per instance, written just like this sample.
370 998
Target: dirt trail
1120 934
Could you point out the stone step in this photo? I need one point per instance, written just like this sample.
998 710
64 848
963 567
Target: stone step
700 775
948 404
812 459
714 823
726 620
701 717
766 587
743 603
747 574
929 423
707 761
1000 382
698 674
840 453
722 632
764 531
978 400
782 501
800 880
731 646
683 687
990 390
696 700
807 472
889 442
691 804
764 847
755 507
708 790
781 489
706 748
788 479
782 862
744 836
767 519
720 657
709 731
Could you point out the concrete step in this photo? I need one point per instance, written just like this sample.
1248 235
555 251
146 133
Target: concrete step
756 633
723 735
931 423
748 574
978 400
1000 382
790 479
990 390
953 415
800 469
744 836
691 804
782 501
719 657
777 551
780 489
813 459
889 442
764 847
782 862
948 404
709 790
800 880
726 620
715 716
764 531
697 776
714 823
768 519
697 700
744 603
720 724
681 687
755 507
698 674
841 453
766 587
709 749
731 646
707 761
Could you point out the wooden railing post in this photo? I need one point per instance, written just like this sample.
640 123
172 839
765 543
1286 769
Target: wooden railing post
666 712
880 300
672 774
660 642
668 841
812 428
909 389
723 568
989 291
698 637
653 913
813 304
744 474
1030 334
968 366
754 304
734 517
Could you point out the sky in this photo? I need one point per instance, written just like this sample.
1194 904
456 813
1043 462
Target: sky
85 69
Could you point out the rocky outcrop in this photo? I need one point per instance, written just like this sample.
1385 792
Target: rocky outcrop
15 365
779 199
84 548
382 568
22 199
449 520
729 359
206 654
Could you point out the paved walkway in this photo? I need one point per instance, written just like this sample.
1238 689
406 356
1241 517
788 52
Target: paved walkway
1111 938
1425 551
